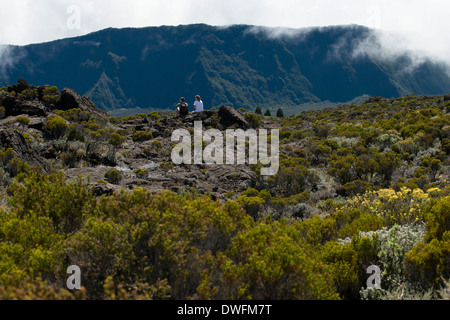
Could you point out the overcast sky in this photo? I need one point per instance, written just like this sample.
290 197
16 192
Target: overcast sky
423 25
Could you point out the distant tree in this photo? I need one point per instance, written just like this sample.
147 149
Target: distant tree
267 114
280 113
242 110
258 110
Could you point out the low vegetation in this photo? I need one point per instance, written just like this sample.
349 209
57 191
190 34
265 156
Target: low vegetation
358 185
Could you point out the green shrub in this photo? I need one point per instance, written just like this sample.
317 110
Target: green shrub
253 119
317 230
57 126
74 115
359 222
141 173
446 146
114 120
141 136
50 95
342 169
356 187
157 145
29 248
350 261
437 219
17 166
154 115
76 135
344 263
52 197
27 137
394 244
116 140
291 180
23 121
28 94
152 244
114 176
29 288
430 259
251 205
267 261
6 155
92 125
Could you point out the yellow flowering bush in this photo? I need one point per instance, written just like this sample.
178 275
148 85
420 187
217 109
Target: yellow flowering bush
435 192
402 207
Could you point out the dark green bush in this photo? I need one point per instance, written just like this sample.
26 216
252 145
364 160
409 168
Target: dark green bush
57 126
280 113
253 119
141 136
52 197
268 261
114 176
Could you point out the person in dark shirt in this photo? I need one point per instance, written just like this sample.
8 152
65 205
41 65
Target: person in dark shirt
182 108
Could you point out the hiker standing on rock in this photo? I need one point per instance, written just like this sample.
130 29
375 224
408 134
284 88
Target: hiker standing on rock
182 108
198 104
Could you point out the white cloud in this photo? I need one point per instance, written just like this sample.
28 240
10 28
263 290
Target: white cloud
9 56
422 25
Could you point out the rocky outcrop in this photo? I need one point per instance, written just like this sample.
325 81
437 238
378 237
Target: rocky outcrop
230 116
10 138
141 163
69 99
224 118
14 107
20 86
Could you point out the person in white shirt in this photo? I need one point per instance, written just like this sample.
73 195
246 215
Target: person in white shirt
198 104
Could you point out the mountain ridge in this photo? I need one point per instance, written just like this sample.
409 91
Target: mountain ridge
238 65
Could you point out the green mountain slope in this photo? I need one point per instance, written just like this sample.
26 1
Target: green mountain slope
241 66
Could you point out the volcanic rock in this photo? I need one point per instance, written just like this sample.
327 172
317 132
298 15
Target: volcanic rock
230 116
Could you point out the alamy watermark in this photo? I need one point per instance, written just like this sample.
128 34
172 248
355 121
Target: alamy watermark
373 17
73 22
374 281
233 145
74 281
